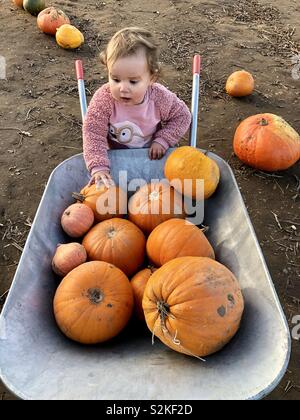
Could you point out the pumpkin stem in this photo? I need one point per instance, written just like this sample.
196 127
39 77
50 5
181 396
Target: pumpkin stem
204 228
95 295
111 233
163 310
78 196
263 122
154 196
151 268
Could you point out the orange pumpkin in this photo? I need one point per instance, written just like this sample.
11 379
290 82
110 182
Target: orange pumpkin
240 83
18 3
154 203
116 241
67 257
93 303
106 203
177 238
266 142
50 19
138 284
186 165
77 219
193 305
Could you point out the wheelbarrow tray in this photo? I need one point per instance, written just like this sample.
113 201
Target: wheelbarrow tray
38 362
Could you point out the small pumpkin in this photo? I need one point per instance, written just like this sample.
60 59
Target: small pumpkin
177 238
67 257
193 305
266 142
50 19
93 303
154 203
106 203
18 3
187 165
77 219
69 37
34 7
116 241
138 284
240 83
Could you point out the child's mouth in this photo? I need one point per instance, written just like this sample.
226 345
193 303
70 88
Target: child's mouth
125 99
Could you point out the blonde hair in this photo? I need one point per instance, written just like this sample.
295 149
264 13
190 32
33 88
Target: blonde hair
127 42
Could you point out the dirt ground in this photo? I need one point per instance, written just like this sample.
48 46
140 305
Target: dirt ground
40 122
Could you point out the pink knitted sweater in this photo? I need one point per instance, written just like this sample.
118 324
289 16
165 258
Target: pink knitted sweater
172 113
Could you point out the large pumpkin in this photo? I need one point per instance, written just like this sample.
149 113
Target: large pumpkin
34 7
188 163
240 83
93 303
193 305
154 203
105 202
266 142
138 284
50 19
177 238
69 37
116 241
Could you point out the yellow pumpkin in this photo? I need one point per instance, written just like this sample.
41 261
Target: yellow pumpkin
69 37
188 163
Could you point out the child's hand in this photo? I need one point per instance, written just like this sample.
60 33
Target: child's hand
156 151
102 177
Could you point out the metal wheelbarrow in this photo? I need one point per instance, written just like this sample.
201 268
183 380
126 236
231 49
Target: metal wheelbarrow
38 362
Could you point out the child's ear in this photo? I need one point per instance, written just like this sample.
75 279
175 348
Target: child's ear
154 78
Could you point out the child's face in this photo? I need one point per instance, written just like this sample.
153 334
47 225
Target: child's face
129 78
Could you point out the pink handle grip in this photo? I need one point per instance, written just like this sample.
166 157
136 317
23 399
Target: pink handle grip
79 69
196 64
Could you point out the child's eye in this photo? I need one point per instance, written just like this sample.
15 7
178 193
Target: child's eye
116 80
133 82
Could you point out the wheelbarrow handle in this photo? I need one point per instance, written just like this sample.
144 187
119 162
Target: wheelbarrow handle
195 99
81 88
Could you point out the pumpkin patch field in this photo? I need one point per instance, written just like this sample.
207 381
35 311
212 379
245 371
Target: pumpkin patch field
249 115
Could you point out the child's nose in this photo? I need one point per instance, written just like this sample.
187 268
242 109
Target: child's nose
124 87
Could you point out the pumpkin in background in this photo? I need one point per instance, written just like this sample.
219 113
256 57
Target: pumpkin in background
18 3
69 37
50 19
34 7
77 219
177 238
116 241
188 163
105 202
67 257
154 203
240 83
138 284
193 305
266 142
93 303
